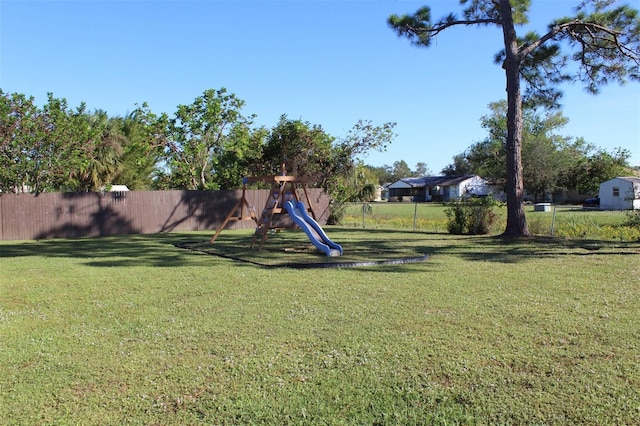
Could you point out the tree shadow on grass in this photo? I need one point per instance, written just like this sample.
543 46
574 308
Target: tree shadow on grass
116 251
388 248
510 250
292 248
493 248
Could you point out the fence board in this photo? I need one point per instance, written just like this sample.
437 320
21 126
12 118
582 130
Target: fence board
18 216
159 211
70 215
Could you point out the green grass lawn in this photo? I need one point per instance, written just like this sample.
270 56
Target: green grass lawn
564 220
134 330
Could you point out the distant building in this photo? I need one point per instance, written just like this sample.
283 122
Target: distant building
438 188
620 193
115 188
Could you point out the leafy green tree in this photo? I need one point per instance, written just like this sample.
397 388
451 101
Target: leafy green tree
304 148
365 183
242 151
200 134
42 149
307 150
360 185
550 161
346 162
543 150
333 164
421 169
143 147
587 172
21 126
460 166
101 150
363 137
382 173
400 169
602 38
62 156
542 162
486 159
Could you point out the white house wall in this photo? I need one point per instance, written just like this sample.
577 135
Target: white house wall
625 200
475 186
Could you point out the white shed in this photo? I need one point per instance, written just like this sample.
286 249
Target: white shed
620 193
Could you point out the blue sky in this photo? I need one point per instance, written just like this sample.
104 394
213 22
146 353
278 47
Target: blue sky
328 62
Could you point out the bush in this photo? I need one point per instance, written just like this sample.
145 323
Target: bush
633 219
470 216
337 213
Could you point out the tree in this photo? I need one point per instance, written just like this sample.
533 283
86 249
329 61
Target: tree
242 150
304 149
400 169
307 150
20 127
327 162
199 134
360 185
142 149
102 150
54 148
588 171
602 38
484 158
460 166
421 169
550 161
382 173
544 152
346 162
62 151
365 183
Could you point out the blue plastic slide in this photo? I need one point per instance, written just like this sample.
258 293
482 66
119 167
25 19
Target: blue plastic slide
313 230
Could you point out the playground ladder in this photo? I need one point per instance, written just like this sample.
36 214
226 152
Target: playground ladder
274 205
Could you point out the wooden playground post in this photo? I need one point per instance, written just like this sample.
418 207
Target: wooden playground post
283 187
274 205
241 204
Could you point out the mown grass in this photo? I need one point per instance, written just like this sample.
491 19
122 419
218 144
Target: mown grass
133 330
563 221
293 248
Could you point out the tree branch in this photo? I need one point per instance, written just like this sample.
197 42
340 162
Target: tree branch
526 50
592 29
443 25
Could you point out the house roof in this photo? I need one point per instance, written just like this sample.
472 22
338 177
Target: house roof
115 188
633 179
430 181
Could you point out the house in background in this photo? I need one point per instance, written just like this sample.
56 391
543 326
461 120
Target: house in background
620 193
438 188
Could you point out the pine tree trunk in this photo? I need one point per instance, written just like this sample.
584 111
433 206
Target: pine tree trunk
516 219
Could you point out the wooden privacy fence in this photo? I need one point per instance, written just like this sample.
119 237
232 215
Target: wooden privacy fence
92 214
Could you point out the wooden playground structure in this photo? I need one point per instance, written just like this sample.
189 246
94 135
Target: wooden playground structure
283 188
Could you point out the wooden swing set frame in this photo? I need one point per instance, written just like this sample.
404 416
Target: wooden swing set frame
283 188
